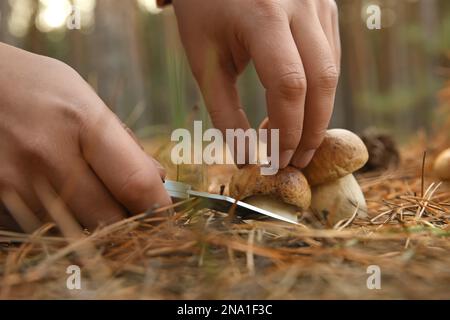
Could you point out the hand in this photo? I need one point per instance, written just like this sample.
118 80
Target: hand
53 126
295 47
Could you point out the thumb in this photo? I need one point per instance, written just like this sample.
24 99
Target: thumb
120 163
153 161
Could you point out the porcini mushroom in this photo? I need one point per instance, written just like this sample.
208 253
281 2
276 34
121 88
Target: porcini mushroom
442 165
335 192
285 193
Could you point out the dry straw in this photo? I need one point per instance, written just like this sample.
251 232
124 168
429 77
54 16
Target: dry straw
201 254
179 252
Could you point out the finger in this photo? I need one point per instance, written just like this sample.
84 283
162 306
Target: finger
330 24
129 131
86 196
264 124
322 75
336 35
18 196
121 164
20 211
218 86
222 100
161 169
280 69
7 222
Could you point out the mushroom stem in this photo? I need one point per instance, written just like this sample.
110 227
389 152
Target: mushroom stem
338 200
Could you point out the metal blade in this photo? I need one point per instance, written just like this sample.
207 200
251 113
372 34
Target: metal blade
178 190
224 204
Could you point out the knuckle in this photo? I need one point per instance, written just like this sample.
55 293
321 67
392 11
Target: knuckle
72 113
58 66
268 9
328 78
35 150
91 122
71 99
292 85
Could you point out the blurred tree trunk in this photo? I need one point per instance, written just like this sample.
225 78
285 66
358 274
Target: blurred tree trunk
35 40
429 16
358 66
116 55
5 10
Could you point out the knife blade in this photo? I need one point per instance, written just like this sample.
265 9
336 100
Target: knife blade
179 190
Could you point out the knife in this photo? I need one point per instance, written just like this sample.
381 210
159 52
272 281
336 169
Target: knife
181 191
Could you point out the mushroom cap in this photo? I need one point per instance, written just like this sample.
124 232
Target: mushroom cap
341 153
442 165
288 185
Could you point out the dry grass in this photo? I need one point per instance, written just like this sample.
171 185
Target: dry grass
200 254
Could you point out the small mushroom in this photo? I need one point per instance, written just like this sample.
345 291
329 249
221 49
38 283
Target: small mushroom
442 165
335 192
285 193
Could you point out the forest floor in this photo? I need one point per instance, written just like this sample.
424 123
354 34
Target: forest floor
203 255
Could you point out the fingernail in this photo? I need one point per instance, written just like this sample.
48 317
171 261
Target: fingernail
264 124
157 163
161 169
304 159
285 158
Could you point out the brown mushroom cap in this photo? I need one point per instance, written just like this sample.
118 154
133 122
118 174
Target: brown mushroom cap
342 152
442 165
288 185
